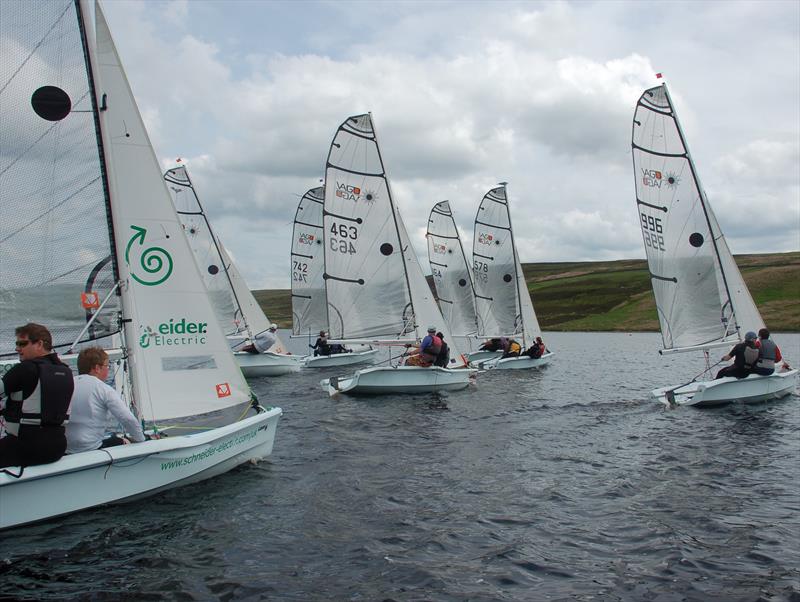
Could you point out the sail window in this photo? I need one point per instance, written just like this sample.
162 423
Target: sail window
188 362
51 103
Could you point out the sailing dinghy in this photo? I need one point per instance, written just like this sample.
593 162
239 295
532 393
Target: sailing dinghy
503 303
376 292
237 310
79 181
309 303
452 279
701 298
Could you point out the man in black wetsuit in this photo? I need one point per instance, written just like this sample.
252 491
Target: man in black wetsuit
37 393
744 356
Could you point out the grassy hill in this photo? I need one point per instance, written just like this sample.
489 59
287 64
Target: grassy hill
616 295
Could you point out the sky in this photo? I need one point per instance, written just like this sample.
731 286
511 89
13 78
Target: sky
465 95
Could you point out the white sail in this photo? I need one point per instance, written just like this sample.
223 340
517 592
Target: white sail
504 305
179 356
700 295
452 275
309 311
374 284
237 310
257 321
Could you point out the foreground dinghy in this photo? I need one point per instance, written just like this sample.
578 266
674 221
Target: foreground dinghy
86 160
701 298
238 312
376 292
309 301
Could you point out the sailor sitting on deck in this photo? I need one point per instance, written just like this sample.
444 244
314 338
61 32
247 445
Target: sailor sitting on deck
321 346
511 348
263 340
744 355
769 355
536 350
95 405
425 355
490 345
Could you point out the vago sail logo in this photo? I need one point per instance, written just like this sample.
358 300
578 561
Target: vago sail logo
154 264
485 239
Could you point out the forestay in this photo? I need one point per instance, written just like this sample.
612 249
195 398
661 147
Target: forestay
180 360
504 305
451 273
374 283
309 310
700 295
55 247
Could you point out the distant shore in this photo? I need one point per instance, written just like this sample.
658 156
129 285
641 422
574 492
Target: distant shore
615 296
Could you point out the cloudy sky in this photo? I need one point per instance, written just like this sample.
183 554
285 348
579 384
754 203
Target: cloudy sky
464 95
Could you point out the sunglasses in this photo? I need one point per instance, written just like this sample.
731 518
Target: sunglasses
23 343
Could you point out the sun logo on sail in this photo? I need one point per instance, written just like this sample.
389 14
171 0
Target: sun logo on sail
672 180
370 196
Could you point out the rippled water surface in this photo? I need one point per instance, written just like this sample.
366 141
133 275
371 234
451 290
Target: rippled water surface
562 484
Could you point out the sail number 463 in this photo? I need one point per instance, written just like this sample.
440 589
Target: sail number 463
653 232
342 237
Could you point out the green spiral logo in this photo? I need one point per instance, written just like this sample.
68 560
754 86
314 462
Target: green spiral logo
155 261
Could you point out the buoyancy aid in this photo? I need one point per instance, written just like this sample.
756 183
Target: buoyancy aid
48 404
435 346
768 354
514 347
750 355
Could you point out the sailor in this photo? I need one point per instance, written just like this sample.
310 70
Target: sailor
536 350
443 359
427 352
511 349
96 405
744 355
38 392
321 346
768 354
263 341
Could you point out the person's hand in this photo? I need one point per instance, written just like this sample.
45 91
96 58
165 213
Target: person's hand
125 441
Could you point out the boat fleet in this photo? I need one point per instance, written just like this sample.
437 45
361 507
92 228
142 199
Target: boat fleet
132 263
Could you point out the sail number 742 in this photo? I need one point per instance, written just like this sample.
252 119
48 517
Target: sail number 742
653 232
342 237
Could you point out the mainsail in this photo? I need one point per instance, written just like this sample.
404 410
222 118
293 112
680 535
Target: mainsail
179 358
503 302
452 276
55 246
237 310
700 295
374 283
309 311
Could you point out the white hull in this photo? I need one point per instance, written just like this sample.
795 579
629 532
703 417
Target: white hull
721 391
341 359
267 364
401 379
126 472
517 363
481 356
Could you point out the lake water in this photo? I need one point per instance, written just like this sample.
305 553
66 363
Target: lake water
561 484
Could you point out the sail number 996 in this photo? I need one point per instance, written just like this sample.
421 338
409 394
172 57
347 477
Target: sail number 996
342 237
653 232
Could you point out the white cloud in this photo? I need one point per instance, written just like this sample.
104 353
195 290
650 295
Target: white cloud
465 95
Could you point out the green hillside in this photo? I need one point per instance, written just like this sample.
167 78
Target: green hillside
616 295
